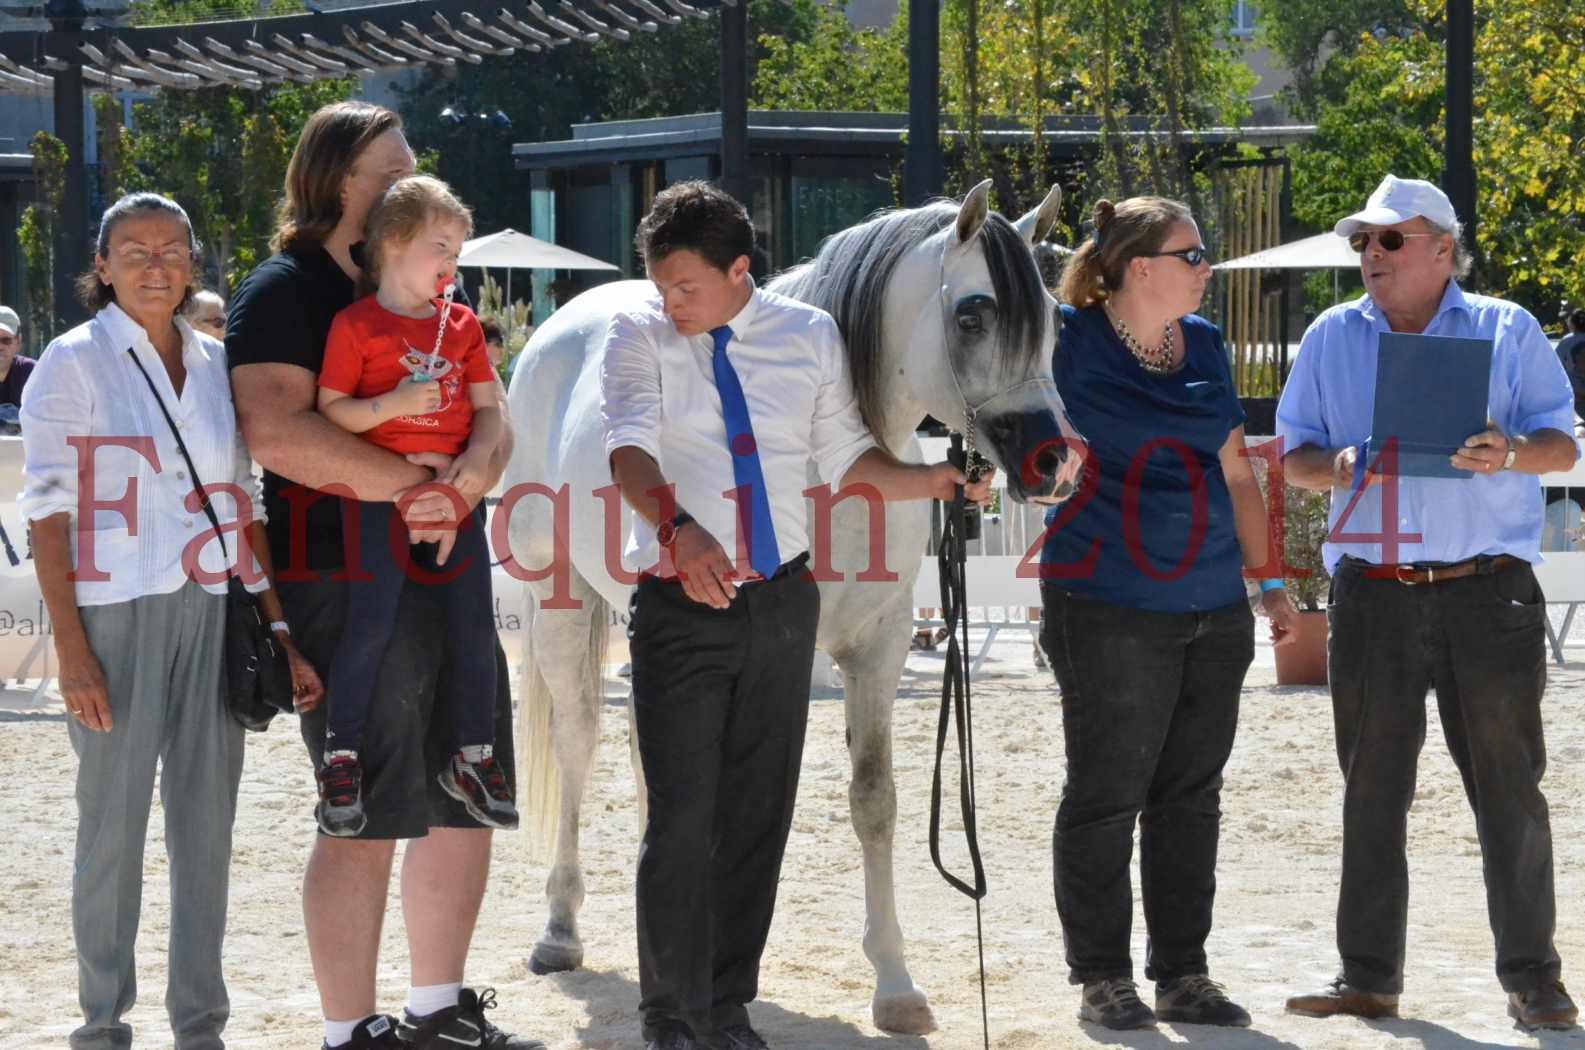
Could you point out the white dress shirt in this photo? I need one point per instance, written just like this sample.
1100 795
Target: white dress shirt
659 395
85 386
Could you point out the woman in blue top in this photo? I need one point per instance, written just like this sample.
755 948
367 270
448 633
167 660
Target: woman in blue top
1146 623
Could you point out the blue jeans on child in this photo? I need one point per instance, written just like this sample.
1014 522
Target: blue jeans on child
377 568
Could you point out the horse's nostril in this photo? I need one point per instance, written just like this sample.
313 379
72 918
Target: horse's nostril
1050 459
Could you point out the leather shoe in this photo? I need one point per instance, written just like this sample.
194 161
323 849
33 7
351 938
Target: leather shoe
1548 1006
672 1039
742 1037
1340 997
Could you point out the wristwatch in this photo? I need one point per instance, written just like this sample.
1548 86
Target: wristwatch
666 533
1513 454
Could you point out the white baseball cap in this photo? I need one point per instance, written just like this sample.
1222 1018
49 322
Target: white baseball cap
9 321
1399 200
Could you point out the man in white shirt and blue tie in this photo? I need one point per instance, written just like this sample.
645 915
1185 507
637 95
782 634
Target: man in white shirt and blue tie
716 396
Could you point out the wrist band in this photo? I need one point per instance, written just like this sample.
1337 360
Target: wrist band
280 625
1271 585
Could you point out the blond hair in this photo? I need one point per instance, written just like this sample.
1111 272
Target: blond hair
407 207
1123 232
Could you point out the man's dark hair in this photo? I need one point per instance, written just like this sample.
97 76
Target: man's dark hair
492 330
1576 319
698 217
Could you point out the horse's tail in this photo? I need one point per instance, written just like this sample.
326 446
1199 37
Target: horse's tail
538 780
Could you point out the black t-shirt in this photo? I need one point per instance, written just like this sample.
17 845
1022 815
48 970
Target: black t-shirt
281 315
11 386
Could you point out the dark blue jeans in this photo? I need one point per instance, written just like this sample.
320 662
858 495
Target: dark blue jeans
1149 709
1480 641
384 561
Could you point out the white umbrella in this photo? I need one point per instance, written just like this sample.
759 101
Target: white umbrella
1324 251
519 251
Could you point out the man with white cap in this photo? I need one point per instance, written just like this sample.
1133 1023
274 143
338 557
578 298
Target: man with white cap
1442 597
14 368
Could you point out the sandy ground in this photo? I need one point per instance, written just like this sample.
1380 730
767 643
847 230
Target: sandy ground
1278 876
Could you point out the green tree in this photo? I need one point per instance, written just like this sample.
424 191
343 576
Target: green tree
1381 109
221 153
1307 32
36 234
865 70
674 70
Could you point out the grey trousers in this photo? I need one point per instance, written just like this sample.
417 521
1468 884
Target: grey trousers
161 658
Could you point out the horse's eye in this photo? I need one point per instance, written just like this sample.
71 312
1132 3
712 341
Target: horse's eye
970 322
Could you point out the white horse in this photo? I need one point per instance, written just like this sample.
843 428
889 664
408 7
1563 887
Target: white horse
943 313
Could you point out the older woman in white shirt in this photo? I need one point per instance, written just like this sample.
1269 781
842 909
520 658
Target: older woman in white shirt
134 581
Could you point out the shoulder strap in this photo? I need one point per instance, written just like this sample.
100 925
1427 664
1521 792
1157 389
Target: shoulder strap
192 471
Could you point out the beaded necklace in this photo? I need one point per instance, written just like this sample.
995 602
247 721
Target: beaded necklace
1156 359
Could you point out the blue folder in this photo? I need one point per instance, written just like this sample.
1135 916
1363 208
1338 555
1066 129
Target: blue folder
1431 394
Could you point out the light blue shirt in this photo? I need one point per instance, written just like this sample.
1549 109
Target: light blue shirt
1330 396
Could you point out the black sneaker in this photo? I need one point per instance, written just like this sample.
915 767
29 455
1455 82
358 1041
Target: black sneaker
1196 999
1114 1003
462 1025
481 788
340 809
373 1033
742 1037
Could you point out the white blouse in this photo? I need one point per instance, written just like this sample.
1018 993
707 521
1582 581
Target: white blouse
88 417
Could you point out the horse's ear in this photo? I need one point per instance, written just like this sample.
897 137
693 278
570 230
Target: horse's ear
1036 225
971 214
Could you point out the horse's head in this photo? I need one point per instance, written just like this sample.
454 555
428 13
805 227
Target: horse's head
993 327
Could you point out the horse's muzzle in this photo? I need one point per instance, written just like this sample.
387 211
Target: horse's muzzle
1043 461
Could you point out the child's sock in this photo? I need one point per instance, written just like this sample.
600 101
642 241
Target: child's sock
476 752
425 1000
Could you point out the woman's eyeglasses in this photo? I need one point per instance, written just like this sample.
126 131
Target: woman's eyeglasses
1390 240
1192 256
142 258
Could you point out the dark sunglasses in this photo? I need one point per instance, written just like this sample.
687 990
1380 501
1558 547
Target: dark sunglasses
1192 256
1390 240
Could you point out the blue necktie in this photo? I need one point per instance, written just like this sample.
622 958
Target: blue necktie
753 510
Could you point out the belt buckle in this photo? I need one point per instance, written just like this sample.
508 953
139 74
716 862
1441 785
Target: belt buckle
1404 574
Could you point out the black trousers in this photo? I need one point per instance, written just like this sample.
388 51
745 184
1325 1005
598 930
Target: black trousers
374 592
1481 642
721 702
1149 710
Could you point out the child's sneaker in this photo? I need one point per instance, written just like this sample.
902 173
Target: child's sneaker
340 809
480 785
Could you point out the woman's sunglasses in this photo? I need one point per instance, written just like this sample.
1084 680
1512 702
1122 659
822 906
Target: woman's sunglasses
1390 240
1192 256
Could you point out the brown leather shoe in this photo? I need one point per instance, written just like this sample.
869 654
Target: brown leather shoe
1548 1006
1340 997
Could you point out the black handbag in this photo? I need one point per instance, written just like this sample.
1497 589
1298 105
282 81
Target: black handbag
258 679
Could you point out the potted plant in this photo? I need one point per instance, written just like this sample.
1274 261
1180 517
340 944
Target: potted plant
1304 530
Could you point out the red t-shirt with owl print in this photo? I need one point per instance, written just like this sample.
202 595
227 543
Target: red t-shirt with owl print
370 350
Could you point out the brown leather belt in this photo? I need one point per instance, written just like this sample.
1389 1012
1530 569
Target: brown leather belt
1413 574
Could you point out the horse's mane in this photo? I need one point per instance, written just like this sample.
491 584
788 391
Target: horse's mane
847 278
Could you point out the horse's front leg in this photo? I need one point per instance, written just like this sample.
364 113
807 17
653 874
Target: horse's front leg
567 651
870 673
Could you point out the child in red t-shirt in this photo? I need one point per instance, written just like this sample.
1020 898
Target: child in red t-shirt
411 374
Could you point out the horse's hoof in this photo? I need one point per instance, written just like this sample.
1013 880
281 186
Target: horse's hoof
554 958
906 1014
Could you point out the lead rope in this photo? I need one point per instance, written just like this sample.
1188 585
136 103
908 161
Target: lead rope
957 708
